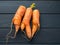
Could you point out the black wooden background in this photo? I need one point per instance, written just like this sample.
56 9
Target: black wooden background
50 22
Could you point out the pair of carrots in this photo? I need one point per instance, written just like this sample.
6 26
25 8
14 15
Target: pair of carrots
28 13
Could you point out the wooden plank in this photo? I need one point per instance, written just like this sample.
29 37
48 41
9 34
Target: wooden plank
47 20
32 44
43 36
43 6
28 0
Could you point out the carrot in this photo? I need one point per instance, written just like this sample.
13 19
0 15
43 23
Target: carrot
18 16
35 21
26 21
17 20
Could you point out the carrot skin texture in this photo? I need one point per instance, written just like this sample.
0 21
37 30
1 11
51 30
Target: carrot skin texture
16 21
18 16
22 26
26 21
28 31
35 21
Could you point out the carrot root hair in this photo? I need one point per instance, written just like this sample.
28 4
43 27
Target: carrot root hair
7 37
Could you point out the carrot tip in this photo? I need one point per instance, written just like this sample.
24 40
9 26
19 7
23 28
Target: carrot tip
22 26
16 28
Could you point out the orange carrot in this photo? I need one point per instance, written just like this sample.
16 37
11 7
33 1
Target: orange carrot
18 16
17 20
26 21
35 21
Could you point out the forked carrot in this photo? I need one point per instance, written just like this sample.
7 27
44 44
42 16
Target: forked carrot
35 21
26 21
17 20
18 17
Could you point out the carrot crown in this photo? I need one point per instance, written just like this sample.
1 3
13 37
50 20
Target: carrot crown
32 5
